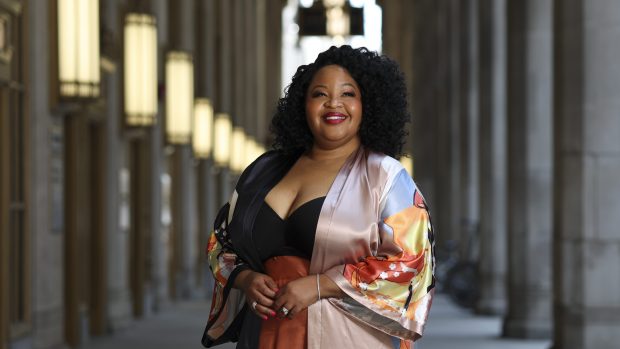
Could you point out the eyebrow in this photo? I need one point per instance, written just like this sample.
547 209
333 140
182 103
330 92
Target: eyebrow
345 84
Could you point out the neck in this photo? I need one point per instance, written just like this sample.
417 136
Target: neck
319 153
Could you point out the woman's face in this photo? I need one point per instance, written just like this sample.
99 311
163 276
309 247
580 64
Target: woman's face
334 107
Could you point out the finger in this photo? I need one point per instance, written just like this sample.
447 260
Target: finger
278 303
264 311
294 311
283 314
271 284
254 308
262 299
267 290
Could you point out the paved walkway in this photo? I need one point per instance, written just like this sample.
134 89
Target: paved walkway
181 326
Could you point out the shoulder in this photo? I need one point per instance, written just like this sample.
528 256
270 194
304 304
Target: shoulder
257 166
399 190
386 167
264 164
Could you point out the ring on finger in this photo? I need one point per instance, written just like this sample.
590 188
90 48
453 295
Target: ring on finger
254 305
284 311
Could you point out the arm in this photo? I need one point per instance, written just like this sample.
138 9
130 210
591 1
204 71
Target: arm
230 271
392 290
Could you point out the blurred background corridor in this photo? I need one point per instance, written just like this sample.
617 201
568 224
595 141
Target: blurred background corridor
124 125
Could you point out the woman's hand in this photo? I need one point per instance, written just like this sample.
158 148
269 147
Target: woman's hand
296 296
260 291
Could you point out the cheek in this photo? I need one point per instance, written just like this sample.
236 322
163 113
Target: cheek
357 108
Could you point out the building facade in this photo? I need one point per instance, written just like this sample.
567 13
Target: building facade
103 219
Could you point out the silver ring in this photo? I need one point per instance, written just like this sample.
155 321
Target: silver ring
284 311
254 305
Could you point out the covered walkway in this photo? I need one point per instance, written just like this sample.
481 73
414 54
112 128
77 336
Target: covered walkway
181 326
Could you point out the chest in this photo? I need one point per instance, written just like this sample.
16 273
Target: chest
302 184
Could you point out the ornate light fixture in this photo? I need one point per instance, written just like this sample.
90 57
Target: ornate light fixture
78 48
179 97
222 134
237 147
203 128
140 70
250 151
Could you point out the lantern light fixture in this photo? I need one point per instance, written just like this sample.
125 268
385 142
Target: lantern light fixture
203 128
78 48
250 150
237 148
179 97
140 70
222 133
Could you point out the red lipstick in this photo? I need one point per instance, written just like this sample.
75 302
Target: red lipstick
334 118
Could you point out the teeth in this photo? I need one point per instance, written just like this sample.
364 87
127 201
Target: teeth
335 118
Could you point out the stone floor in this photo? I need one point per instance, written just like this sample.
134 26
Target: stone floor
181 327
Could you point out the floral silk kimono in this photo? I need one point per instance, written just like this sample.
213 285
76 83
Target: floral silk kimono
374 239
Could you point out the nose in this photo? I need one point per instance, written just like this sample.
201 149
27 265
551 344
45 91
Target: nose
333 102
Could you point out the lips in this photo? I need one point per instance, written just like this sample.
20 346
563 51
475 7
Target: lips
334 118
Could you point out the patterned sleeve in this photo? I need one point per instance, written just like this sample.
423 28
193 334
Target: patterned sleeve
225 265
393 289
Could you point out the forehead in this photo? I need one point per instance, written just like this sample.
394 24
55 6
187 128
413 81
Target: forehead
332 74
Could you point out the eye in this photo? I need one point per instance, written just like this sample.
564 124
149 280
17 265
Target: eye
349 94
316 94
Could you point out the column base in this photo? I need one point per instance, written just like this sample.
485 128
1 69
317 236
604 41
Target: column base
527 329
587 328
119 310
48 330
490 306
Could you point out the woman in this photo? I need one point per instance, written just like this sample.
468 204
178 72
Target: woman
326 242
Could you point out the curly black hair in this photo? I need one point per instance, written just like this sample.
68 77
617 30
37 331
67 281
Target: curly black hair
384 102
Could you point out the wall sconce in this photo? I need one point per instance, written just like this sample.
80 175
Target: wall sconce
407 163
140 70
250 151
78 48
203 128
253 150
222 138
179 97
237 147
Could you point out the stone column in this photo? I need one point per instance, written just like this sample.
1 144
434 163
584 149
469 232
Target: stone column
424 91
181 36
46 153
493 146
159 261
224 87
468 152
448 126
398 34
119 311
205 87
273 55
250 63
264 107
239 73
587 189
529 168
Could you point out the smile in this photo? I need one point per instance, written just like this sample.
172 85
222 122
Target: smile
334 118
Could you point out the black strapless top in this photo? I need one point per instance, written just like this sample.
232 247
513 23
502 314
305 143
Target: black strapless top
294 236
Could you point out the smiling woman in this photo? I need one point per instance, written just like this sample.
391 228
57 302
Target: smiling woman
327 233
334 108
